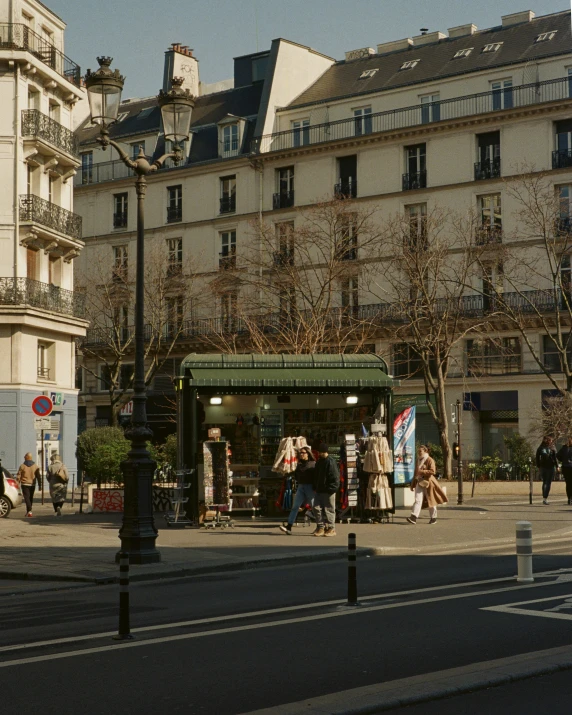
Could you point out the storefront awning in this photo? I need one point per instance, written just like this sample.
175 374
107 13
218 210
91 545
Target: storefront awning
286 373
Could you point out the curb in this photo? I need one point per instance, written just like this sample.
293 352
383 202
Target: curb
228 567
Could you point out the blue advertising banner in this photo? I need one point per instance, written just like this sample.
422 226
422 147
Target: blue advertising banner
404 446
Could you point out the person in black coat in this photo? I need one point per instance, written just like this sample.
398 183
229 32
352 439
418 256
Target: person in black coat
326 484
565 456
547 463
304 477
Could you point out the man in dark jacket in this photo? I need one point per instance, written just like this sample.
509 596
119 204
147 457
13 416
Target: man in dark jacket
565 456
547 463
304 476
326 484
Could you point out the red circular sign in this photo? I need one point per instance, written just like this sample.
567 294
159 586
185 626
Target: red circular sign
42 406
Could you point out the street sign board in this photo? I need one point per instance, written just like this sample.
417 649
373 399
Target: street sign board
42 406
127 409
57 398
214 433
42 423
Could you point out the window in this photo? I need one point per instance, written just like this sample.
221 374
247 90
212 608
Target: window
227 256
174 256
346 188
79 378
45 355
416 231
34 99
30 175
227 194
493 357
174 204
145 112
502 94
350 293
490 230
562 156
284 198
121 322
136 147
120 264
287 304
463 53
570 81
55 270
406 362
415 167
566 274
492 280
488 151
301 132
347 239
430 108
123 381
229 310
367 73
120 210
493 47
54 111
285 242
551 356
32 263
174 322
230 139
409 65
87 167
362 121
545 36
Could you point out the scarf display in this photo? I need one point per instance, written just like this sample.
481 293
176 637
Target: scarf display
378 457
286 459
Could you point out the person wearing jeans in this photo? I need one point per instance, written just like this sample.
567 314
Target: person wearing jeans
326 483
304 476
28 475
547 463
565 456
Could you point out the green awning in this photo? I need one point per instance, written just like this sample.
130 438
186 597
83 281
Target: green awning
286 373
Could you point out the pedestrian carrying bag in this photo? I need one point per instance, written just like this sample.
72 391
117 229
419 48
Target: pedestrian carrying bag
424 483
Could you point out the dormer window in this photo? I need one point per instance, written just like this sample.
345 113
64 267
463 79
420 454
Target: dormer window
493 47
367 73
409 65
463 53
145 112
545 36
230 133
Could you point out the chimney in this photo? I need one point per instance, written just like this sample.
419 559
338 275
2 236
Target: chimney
517 18
462 30
359 54
386 47
180 62
426 38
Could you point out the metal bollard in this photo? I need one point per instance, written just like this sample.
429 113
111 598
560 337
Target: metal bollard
124 629
524 551
352 571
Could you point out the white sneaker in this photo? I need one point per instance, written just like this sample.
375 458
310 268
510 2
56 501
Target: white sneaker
59 511
545 501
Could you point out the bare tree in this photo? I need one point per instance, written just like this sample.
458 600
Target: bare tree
554 419
299 284
170 296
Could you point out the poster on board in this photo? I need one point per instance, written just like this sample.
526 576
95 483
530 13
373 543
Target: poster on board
404 446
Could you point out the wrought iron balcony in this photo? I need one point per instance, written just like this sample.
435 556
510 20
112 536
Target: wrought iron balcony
346 189
487 169
44 373
228 204
227 261
40 126
561 159
27 292
488 234
283 200
174 214
120 219
417 180
17 36
37 210
416 115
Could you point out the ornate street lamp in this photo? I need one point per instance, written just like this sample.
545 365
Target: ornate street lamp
138 532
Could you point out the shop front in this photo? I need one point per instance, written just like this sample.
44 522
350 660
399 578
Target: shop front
259 401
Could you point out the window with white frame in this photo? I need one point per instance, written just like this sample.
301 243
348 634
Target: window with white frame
120 210
174 316
120 263
491 217
121 322
368 73
230 139
492 47
285 241
362 121
347 237
492 283
46 360
136 147
228 194
227 256
229 310
87 167
174 256
493 356
300 132
502 94
416 230
174 204
463 53
349 289
430 108
409 65
546 36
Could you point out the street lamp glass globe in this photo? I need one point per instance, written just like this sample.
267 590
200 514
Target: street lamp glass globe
176 111
104 87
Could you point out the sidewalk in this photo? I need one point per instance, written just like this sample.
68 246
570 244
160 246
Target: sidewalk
82 548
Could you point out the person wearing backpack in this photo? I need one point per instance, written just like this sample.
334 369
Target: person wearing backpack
58 479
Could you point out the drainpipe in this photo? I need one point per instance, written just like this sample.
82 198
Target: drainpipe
16 165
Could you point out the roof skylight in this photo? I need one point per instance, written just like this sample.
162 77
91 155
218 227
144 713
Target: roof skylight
409 65
493 47
544 36
463 53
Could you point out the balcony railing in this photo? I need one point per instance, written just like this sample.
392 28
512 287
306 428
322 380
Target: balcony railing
394 119
44 373
105 171
561 159
346 189
120 219
488 234
37 210
17 36
227 261
417 180
174 214
283 200
27 292
487 169
40 126
228 204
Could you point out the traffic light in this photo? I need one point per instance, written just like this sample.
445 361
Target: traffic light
456 450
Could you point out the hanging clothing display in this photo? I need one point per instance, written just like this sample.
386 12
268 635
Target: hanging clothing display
378 462
286 458
378 493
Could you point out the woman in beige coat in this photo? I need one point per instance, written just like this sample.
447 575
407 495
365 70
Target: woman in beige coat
428 493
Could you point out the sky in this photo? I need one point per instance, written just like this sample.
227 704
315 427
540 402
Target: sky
136 33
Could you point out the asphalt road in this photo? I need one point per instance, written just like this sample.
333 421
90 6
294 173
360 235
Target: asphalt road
273 636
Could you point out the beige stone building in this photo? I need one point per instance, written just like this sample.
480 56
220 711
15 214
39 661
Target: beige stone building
40 235
434 120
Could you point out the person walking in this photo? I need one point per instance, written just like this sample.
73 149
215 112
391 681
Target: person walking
28 475
428 493
565 456
326 484
547 463
58 479
304 476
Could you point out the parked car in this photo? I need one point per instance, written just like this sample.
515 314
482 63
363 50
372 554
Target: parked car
11 494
